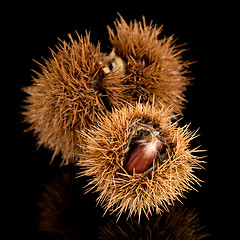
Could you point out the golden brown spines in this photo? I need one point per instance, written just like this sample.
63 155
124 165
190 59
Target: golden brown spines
68 93
106 149
153 66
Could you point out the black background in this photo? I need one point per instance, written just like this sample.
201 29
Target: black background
31 29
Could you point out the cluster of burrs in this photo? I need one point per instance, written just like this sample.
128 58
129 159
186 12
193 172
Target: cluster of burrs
114 115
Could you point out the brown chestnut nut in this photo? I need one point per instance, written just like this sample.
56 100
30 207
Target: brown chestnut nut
142 156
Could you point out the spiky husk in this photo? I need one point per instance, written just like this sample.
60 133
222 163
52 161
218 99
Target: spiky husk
68 93
153 66
106 147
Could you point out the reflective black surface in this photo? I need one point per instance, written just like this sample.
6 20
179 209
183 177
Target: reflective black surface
35 28
66 213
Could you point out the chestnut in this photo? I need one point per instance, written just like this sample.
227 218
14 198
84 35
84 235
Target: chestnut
142 157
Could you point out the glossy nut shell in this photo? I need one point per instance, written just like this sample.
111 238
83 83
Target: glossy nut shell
142 157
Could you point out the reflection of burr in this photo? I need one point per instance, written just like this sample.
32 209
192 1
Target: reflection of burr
179 223
65 212
138 160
